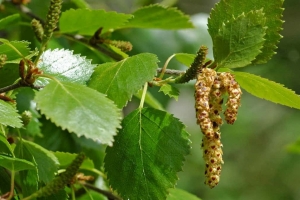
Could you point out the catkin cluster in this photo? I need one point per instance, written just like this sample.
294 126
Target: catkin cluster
209 90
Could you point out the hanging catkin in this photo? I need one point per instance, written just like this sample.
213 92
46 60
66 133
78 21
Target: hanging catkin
209 90
234 96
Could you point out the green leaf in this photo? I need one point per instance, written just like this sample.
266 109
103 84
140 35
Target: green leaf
5 181
29 179
158 17
266 89
91 195
65 159
15 164
87 22
14 50
87 112
9 73
9 21
239 40
81 3
66 66
178 194
148 152
5 147
150 100
185 58
170 90
120 80
225 9
9 115
46 162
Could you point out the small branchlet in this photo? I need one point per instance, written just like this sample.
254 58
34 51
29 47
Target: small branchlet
195 68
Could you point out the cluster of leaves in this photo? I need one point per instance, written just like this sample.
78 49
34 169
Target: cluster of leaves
146 148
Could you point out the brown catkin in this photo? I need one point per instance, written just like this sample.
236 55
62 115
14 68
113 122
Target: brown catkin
209 90
203 86
212 146
234 96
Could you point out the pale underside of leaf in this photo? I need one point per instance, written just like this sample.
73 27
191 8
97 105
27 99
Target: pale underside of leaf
65 66
158 17
266 89
80 109
225 9
148 151
239 40
122 79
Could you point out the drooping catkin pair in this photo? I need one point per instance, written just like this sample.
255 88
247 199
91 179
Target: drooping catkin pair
209 90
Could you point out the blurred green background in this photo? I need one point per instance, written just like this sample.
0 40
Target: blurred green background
261 160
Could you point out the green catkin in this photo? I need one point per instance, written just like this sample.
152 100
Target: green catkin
59 182
234 96
125 46
26 117
3 58
51 19
195 68
38 29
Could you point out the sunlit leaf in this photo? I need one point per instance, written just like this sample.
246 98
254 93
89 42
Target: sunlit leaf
239 40
266 89
158 17
170 90
120 80
148 152
87 22
226 9
9 115
79 109
66 66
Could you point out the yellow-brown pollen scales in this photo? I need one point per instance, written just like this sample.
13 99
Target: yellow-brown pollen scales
209 90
